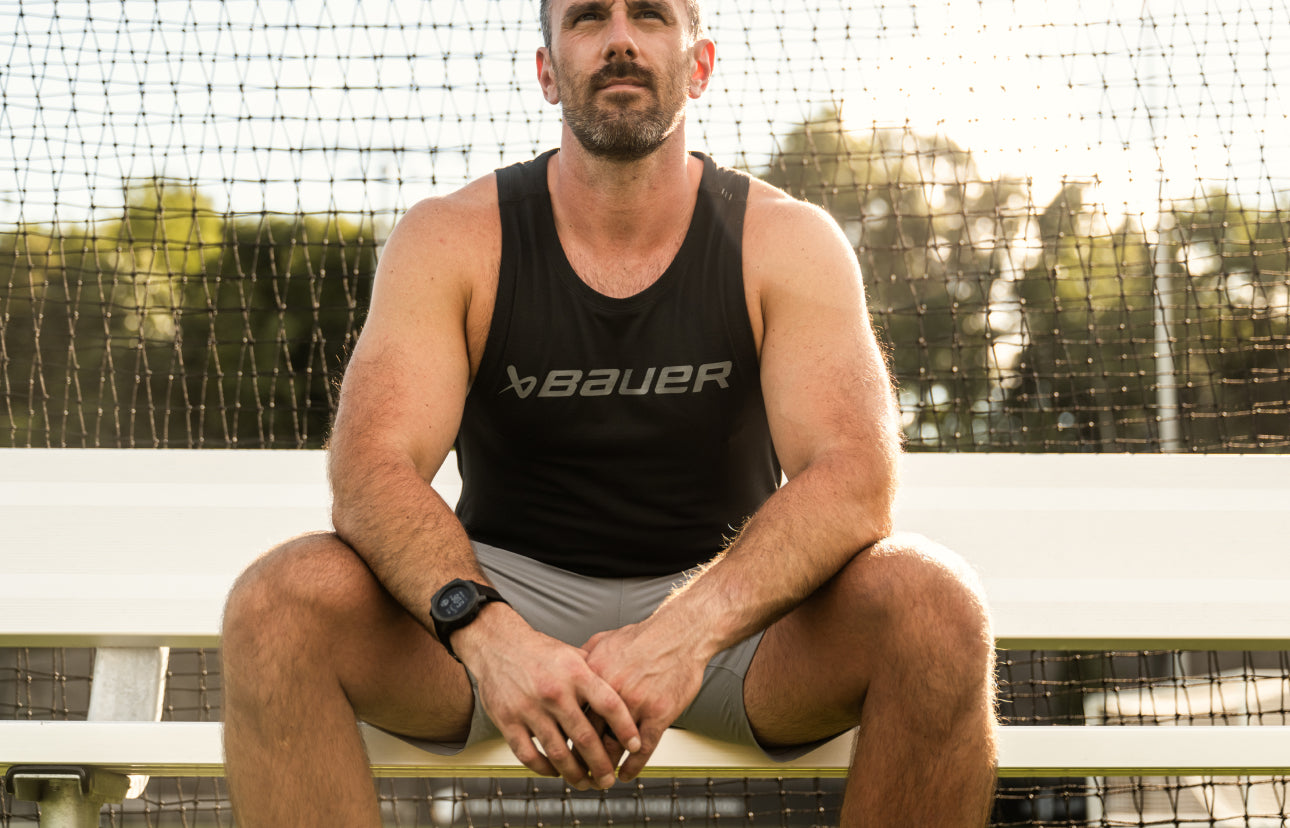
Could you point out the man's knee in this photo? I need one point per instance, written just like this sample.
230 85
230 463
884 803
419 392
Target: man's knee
929 609
291 593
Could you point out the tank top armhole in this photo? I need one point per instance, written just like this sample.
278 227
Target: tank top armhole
728 194
513 183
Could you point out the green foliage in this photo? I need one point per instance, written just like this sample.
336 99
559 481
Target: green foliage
931 235
1020 328
176 325
1008 326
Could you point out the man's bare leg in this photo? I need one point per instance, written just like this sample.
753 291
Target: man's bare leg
898 643
311 640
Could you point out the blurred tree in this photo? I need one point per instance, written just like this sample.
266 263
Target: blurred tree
176 325
1232 324
1015 327
1089 371
932 237
1008 327
44 304
1086 373
280 313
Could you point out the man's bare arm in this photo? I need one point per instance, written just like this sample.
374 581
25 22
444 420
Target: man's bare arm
400 409
833 421
400 406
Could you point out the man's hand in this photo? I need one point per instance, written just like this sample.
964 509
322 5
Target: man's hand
657 675
534 686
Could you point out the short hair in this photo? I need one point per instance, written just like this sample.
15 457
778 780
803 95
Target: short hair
692 6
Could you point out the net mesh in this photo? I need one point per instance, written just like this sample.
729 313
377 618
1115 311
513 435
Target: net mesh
1072 219
1036 687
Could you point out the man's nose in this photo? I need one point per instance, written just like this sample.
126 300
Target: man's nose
620 42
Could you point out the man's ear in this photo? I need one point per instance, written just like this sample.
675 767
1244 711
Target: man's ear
546 75
704 55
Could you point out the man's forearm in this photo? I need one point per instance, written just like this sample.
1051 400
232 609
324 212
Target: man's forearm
396 521
803 535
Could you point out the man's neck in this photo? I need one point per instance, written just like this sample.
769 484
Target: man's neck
637 204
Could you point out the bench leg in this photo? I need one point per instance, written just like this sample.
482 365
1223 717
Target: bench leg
69 797
129 686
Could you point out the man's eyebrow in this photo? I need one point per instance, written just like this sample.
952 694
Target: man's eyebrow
664 9
650 5
583 6
579 8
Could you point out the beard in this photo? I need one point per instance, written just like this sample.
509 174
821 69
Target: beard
623 132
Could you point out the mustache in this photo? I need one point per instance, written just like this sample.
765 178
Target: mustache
623 71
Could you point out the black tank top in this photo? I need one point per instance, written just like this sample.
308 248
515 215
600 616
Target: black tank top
616 437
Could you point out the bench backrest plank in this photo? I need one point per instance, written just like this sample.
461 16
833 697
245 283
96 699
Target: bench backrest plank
138 547
1093 551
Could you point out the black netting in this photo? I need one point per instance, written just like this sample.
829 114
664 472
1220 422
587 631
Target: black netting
1072 218
1036 688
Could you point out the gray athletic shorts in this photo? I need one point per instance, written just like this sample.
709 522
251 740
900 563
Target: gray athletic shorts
573 607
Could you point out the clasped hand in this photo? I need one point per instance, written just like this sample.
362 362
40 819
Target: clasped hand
587 707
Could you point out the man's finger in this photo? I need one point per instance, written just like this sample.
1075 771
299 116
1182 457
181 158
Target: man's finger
521 744
633 766
613 747
585 738
611 709
568 762
636 760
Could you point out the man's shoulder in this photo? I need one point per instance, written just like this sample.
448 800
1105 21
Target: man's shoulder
769 204
446 242
777 224
457 227
468 205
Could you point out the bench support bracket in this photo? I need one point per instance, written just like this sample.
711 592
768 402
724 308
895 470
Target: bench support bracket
70 796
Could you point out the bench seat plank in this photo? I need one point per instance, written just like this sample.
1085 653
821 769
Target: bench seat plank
193 749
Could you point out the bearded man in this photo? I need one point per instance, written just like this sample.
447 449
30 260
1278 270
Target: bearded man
630 347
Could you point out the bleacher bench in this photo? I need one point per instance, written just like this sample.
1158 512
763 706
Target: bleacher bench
133 552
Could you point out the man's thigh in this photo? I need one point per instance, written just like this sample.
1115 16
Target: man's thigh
318 607
886 615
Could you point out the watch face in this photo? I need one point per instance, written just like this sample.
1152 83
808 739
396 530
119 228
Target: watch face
453 602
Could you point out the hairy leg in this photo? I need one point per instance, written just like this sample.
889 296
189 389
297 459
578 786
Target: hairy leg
311 641
898 643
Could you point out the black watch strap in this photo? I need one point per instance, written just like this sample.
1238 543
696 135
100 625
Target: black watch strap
456 604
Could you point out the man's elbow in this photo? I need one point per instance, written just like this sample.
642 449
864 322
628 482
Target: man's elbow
872 480
352 476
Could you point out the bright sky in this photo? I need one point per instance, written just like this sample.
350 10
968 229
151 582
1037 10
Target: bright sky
371 104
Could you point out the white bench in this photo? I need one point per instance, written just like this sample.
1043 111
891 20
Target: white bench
133 551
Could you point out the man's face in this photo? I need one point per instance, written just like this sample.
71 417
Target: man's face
622 70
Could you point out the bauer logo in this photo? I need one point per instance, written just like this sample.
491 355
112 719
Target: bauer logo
627 382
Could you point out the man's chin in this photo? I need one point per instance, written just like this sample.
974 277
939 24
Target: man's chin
620 153
621 134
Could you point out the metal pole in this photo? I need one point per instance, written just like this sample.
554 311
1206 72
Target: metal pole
1162 276
1166 378
63 805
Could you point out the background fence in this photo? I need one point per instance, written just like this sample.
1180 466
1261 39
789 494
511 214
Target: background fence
1072 217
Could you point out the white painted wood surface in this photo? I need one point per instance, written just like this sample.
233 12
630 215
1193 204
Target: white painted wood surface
193 749
139 547
131 547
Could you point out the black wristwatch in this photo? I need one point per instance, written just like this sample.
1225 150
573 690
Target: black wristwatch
455 605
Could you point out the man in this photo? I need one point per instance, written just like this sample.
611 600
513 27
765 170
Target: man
627 344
